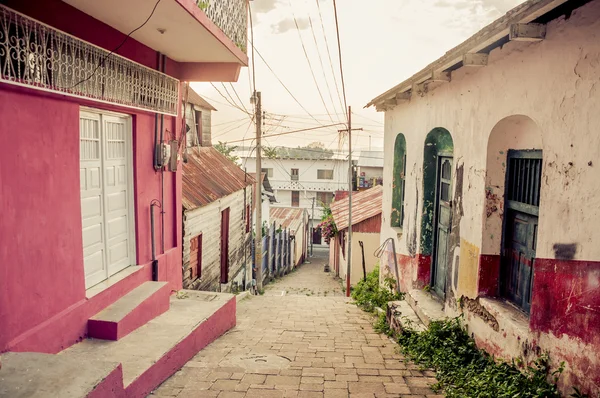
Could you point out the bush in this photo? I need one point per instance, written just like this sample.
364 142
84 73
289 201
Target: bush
368 294
463 370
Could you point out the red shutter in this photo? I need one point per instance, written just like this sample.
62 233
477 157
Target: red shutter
196 257
225 246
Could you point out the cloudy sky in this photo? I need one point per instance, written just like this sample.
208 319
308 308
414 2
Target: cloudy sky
383 43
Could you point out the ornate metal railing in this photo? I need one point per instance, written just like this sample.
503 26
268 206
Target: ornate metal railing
38 56
230 16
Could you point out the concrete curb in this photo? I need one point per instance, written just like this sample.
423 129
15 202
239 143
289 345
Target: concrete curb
242 296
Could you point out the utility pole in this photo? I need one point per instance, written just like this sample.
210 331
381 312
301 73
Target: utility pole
312 227
349 201
258 242
350 186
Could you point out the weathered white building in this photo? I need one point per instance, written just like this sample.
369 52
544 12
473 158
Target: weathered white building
217 224
492 190
299 182
198 118
295 221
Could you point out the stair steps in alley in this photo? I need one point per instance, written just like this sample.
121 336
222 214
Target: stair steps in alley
131 311
415 312
132 366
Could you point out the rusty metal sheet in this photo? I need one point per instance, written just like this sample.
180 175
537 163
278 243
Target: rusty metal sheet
365 204
208 176
287 217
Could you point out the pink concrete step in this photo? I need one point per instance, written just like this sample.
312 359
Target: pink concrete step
129 368
155 351
33 375
131 311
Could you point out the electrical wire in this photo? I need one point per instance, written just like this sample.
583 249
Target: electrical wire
337 89
321 63
297 131
233 99
312 72
337 28
229 102
281 82
103 60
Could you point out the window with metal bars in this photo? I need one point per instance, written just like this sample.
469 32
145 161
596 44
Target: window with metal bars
523 180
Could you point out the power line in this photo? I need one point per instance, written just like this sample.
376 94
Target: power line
321 62
282 84
101 63
233 128
337 89
232 99
229 122
337 28
229 102
237 95
298 131
308 60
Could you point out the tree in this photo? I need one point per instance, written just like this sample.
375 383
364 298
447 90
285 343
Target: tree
227 151
270 153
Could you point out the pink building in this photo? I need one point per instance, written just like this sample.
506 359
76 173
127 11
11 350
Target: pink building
76 231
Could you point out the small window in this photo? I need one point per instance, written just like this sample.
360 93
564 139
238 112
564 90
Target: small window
196 257
325 174
324 198
198 115
295 174
295 198
268 172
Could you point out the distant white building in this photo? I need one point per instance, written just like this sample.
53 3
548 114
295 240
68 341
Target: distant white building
297 182
306 176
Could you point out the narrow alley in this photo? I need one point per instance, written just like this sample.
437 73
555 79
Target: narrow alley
303 339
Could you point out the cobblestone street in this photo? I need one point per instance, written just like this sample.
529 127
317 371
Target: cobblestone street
302 339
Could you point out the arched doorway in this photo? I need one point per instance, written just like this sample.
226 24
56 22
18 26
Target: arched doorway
513 192
436 219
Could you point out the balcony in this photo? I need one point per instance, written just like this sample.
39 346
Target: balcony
231 17
186 31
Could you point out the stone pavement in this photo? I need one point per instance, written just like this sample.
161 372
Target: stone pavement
299 341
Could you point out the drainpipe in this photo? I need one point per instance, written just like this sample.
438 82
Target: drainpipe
154 204
162 172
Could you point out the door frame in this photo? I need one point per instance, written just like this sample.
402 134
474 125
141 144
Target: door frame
434 239
516 207
130 179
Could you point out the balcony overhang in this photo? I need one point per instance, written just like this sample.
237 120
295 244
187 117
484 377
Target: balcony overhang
178 28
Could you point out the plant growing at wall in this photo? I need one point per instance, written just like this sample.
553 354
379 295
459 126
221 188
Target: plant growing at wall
327 225
203 4
369 294
463 370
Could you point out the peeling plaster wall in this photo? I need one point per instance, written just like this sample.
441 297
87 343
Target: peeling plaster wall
552 87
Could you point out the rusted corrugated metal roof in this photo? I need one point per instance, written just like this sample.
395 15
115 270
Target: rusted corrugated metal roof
194 98
208 176
287 217
365 204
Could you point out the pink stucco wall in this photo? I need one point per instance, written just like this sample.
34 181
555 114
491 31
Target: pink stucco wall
39 195
43 306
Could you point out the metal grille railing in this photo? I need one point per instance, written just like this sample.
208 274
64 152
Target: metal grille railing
230 16
35 55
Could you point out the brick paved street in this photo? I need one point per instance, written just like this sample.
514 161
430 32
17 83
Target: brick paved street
300 339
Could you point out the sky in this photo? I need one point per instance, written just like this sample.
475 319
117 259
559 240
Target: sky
383 42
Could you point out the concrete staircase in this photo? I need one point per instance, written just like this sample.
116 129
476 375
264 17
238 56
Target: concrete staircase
146 344
131 311
415 312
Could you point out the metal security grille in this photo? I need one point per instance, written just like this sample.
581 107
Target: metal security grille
38 56
525 174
